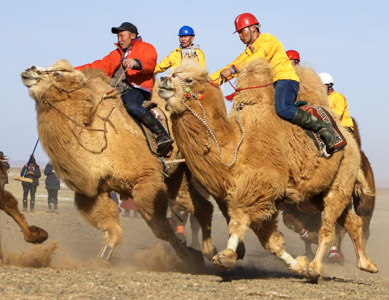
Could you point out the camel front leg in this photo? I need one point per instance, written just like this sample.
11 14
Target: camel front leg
151 200
102 213
237 228
32 234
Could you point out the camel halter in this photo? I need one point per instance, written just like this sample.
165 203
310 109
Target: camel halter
199 96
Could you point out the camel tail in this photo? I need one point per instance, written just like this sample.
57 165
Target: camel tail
361 187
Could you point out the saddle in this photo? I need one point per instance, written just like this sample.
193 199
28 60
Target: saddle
151 138
325 116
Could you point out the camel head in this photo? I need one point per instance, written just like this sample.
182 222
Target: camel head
184 85
60 77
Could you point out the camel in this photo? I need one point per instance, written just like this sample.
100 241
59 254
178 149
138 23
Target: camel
306 222
8 203
96 147
254 161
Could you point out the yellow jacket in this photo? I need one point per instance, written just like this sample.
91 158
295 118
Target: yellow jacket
269 47
173 60
338 104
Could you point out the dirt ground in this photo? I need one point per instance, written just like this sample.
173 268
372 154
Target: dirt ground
143 267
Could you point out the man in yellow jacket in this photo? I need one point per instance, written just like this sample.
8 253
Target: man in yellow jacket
285 79
338 102
186 50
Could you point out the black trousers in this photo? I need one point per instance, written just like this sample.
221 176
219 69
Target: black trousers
32 190
52 198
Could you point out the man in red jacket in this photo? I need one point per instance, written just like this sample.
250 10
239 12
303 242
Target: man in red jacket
131 67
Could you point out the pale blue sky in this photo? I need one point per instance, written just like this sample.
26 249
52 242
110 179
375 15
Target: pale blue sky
349 39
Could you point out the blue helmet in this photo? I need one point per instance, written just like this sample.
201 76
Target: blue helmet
186 30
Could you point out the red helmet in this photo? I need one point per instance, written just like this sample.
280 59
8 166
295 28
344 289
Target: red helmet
293 54
245 20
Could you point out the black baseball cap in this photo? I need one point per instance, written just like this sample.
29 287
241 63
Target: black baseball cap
126 26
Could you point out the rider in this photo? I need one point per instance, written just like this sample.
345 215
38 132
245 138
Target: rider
338 102
294 57
137 59
186 50
285 79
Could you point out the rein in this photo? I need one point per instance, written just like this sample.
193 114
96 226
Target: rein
231 96
203 120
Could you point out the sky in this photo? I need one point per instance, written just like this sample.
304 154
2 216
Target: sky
348 39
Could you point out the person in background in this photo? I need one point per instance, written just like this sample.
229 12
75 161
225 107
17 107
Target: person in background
285 80
4 166
32 171
338 102
114 197
128 204
131 66
53 184
186 50
294 57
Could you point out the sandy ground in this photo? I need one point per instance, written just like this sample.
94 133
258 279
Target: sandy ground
143 267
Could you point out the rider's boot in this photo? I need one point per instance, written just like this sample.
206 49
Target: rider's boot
310 122
164 141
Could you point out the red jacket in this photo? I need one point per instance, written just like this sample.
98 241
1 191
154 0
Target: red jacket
143 52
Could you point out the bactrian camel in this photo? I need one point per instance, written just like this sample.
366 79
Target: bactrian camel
96 147
9 205
254 161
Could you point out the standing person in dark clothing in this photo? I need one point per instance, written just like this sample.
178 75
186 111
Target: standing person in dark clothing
30 170
52 187
4 166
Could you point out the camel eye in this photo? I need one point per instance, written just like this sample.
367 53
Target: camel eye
57 73
189 80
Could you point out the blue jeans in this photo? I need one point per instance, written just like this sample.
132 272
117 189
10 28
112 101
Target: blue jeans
285 95
133 100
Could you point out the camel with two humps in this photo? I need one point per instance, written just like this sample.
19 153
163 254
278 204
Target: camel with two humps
8 203
254 161
96 147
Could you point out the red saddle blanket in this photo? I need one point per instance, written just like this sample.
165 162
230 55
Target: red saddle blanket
150 136
322 114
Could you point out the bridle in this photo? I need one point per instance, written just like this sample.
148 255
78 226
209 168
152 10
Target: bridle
198 97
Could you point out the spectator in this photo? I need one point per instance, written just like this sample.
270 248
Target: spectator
5 167
52 187
32 171
128 204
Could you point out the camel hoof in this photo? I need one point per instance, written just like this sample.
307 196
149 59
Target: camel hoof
313 276
37 235
225 259
368 266
301 266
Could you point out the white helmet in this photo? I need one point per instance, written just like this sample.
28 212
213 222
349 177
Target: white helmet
326 78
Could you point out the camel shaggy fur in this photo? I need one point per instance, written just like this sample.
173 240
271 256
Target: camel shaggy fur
8 203
301 219
96 147
253 160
